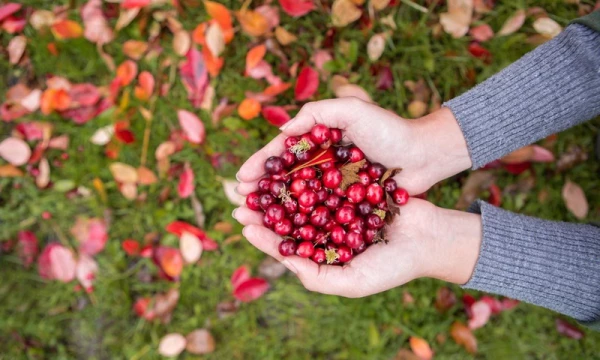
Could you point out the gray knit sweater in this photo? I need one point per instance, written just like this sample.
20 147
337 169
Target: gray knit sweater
554 87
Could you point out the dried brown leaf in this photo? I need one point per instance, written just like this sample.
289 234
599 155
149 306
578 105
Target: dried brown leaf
350 173
463 336
200 342
575 199
473 186
389 173
344 12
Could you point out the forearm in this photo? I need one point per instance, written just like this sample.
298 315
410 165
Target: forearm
550 89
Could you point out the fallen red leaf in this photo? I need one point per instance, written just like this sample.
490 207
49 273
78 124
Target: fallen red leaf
495 195
57 263
169 260
508 303
251 289
307 84
482 32
91 234
385 78
568 330
27 247
13 24
131 247
185 188
275 115
8 9
126 72
125 135
444 299
518 168
140 307
468 301
179 227
131 4
494 304
480 52
192 126
194 76
480 314
66 29
297 8
240 275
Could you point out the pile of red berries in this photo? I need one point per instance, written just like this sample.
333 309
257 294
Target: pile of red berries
324 198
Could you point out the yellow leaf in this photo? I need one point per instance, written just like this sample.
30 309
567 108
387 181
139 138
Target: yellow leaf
123 173
284 37
457 20
344 12
252 22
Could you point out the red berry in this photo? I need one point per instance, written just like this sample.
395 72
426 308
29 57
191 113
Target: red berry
321 238
300 219
287 247
338 235
315 184
281 176
374 193
342 153
266 200
327 165
290 141
288 159
348 204
354 240
356 193
275 213
383 205
364 178
305 249
356 225
320 216
319 256
303 156
376 171
307 173
264 185
369 236
308 138
321 195
296 233
364 208
273 165
276 187
330 225
344 253
308 232
320 134
361 249
283 227
298 186
291 206
374 222
400 196
356 154
332 178
336 135
268 222
390 185
339 192
306 210
333 202
307 198
344 215
253 201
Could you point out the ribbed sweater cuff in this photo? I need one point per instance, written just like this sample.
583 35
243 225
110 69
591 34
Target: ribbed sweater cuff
550 89
551 264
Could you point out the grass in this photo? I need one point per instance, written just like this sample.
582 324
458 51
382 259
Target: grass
288 322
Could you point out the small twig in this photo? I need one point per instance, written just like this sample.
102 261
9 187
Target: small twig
416 6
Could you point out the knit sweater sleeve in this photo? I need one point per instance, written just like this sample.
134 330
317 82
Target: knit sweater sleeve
548 90
551 264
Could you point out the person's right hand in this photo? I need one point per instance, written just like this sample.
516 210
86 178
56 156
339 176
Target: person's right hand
428 149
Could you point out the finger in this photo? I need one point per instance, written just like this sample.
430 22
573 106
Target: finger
263 239
253 168
248 217
245 188
334 113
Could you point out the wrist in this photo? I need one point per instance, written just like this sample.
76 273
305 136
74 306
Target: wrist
443 144
456 245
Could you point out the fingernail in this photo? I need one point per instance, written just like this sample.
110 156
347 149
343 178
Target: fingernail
233 213
237 176
287 124
236 190
289 266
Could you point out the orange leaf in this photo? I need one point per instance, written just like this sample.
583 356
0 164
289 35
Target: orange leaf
255 55
66 29
213 64
126 72
171 262
145 86
221 14
198 33
463 336
252 22
54 99
277 89
249 109
421 348
10 170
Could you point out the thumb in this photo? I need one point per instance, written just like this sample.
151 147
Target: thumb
333 113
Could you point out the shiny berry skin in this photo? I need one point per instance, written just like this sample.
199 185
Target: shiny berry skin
305 249
308 232
287 247
342 153
338 235
332 202
283 227
348 204
275 213
315 184
295 233
276 187
307 173
320 216
290 141
344 253
376 171
281 176
356 193
356 154
300 219
336 135
308 138
339 192
383 205
369 236
320 134
288 159
364 178
291 206
354 240
303 156
374 222
307 198
364 208
400 196
268 222
357 225
298 186
327 165
330 225
332 178
365 166
321 195
266 200
321 238
306 210
274 165
361 249
264 185
390 185
344 215
253 201
374 193
319 256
